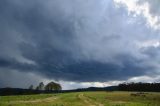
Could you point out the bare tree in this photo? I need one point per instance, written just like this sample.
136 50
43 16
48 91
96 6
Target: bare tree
31 87
41 86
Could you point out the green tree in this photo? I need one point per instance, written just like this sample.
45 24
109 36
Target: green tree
53 86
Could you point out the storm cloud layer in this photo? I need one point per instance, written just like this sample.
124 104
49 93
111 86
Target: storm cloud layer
80 40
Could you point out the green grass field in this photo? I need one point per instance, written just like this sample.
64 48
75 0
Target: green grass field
83 99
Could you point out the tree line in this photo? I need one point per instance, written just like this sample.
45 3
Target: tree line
49 87
151 87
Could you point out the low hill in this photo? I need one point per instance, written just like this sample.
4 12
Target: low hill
18 91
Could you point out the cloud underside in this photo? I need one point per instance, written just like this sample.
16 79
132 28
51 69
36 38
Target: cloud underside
79 40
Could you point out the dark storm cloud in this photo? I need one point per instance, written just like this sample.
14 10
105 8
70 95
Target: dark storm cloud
94 72
73 40
4 63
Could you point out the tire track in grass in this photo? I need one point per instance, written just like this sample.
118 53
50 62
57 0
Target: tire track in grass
89 101
49 99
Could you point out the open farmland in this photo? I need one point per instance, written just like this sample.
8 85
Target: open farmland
84 99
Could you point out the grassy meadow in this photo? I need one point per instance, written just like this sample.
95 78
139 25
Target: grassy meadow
83 99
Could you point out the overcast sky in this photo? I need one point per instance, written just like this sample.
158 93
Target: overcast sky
79 43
